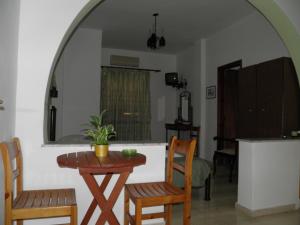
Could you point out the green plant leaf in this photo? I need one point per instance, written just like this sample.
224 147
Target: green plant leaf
99 133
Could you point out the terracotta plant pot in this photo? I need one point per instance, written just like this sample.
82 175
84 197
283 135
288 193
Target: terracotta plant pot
101 150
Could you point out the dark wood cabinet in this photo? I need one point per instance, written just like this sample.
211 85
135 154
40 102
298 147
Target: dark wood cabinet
269 100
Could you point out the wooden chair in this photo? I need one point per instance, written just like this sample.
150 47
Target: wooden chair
163 193
227 148
31 204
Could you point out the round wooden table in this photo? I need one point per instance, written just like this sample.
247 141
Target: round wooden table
89 165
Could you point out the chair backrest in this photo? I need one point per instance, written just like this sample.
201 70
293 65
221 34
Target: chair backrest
13 170
186 148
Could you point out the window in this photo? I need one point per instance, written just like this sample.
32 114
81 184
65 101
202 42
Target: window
125 94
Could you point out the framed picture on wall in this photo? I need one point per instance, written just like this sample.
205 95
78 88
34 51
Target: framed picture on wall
211 92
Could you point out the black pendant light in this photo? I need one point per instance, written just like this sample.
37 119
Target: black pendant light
154 41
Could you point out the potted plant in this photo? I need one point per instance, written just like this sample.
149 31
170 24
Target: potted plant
99 134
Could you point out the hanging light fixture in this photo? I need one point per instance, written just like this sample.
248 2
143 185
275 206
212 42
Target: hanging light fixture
155 41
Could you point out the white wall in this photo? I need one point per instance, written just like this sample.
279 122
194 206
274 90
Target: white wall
253 40
259 172
9 23
78 81
291 9
189 67
163 98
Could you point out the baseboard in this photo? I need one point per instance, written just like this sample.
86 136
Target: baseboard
266 211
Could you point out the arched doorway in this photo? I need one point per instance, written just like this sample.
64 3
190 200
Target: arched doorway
71 29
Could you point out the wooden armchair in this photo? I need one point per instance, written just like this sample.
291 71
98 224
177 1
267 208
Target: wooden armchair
163 193
227 148
31 204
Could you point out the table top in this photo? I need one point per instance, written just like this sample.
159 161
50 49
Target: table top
87 160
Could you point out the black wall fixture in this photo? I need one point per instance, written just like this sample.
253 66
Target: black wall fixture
172 79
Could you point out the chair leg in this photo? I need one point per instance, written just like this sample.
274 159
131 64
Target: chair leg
187 212
168 214
214 164
8 218
138 213
19 222
73 217
126 207
231 167
207 188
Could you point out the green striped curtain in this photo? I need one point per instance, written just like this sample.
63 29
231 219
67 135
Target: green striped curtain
125 94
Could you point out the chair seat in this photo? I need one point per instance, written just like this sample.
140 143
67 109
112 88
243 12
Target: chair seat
45 199
227 151
155 192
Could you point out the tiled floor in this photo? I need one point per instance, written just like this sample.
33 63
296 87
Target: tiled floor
221 211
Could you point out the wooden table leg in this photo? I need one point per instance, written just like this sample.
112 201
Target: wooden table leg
93 205
105 214
104 204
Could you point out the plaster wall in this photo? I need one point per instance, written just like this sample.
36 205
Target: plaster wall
189 67
253 40
163 98
78 82
256 176
9 23
291 9
42 27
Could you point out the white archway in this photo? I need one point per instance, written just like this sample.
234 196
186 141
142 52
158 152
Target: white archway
269 8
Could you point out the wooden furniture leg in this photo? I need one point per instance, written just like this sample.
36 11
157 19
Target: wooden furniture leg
207 188
93 205
168 211
73 218
107 211
138 213
126 208
104 204
187 212
98 196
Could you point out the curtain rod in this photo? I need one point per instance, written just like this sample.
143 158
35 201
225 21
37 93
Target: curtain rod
130 68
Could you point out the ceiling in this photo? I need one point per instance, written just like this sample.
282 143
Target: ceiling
126 23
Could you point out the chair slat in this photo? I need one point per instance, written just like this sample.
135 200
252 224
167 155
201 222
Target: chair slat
46 199
154 190
133 190
15 173
38 199
30 199
70 197
61 198
20 201
179 167
159 189
54 198
148 190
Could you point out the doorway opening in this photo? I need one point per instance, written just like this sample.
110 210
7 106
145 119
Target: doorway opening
228 99
227 146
